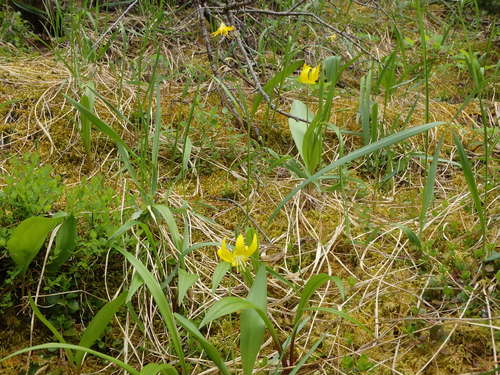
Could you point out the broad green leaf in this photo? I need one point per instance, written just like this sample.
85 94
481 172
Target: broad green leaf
428 193
341 314
65 243
27 239
55 345
51 328
368 149
299 128
158 369
314 283
219 273
225 306
160 299
186 280
98 325
229 305
469 177
252 328
275 81
211 351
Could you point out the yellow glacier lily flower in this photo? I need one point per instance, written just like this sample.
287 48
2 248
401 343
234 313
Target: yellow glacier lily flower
223 29
309 75
240 253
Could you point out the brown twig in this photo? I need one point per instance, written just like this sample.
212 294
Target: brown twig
343 34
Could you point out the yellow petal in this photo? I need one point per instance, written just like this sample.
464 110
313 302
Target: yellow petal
239 249
304 74
224 253
314 75
253 246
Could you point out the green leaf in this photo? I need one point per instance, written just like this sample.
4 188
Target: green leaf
98 123
492 257
155 149
27 239
299 128
87 101
428 193
219 273
412 237
211 351
469 177
98 325
341 314
51 328
306 356
167 215
275 81
158 369
229 305
225 306
252 327
314 283
65 243
186 154
186 280
54 345
160 299
365 107
368 149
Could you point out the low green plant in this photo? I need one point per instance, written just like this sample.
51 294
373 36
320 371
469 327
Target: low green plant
30 189
13 28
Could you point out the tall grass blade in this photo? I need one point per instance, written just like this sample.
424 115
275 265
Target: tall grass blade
55 345
50 326
211 351
368 149
428 193
98 325
306 356
160 299
471 181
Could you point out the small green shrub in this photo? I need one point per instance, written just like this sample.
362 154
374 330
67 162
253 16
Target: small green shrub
29 190
13 28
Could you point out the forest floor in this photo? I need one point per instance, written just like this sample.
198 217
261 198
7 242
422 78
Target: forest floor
416 253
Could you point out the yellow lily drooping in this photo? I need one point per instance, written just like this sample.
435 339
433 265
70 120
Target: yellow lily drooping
223 29
240 253
309 75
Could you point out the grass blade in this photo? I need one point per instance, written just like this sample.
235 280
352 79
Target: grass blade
51 327
55 345
98 325
158 369
368 149
160 299
211 351
428 193
471 182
